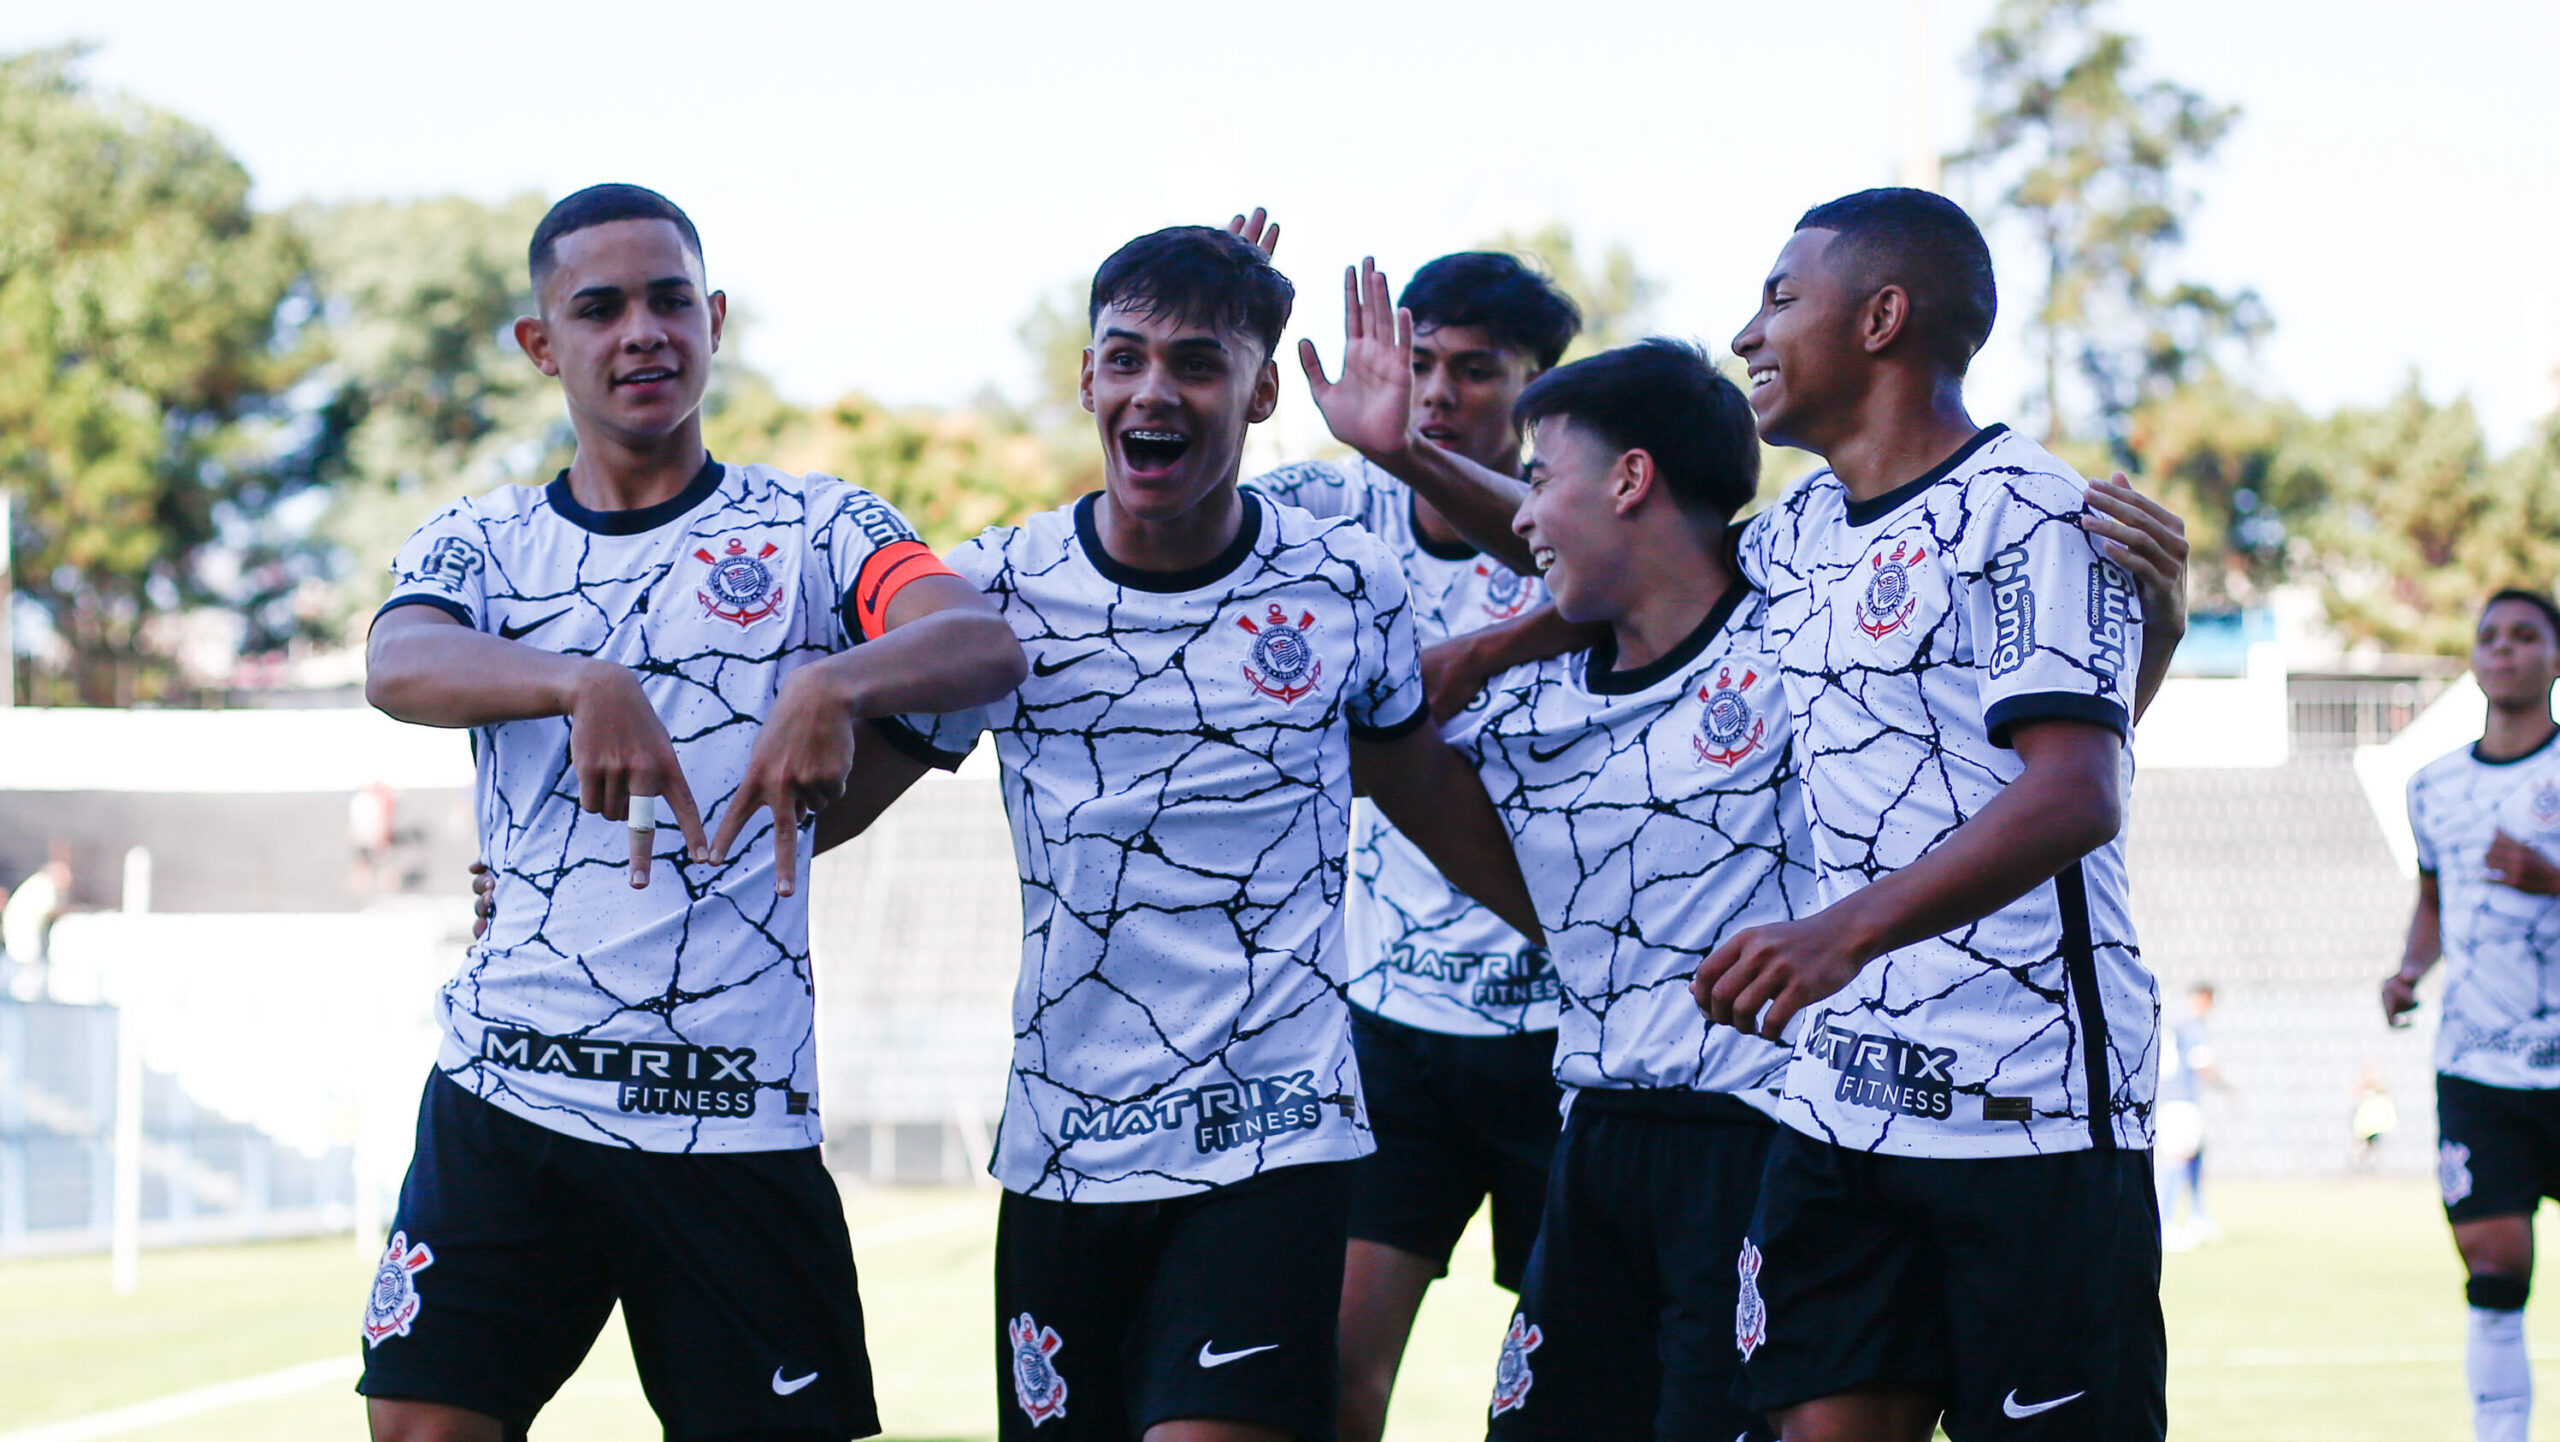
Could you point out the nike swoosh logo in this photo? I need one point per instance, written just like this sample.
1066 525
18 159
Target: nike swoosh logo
1209 1358
2010 1406
511 633
1537 755
1052 668
785 1389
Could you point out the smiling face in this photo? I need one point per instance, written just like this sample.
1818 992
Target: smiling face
2515 656
1464 382
1571 519
1802 348
1172 399
628 326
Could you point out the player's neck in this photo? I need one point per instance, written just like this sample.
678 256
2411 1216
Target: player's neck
1183 542
1904 427
2516 731
629 473
1674 591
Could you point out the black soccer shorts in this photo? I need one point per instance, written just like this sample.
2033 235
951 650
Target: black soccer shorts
513 1242
1457 1119
2024 1292
2497 1148
1625 1327
1114 1316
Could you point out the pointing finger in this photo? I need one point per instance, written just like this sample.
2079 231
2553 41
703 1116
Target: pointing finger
679 799
642 828
786 846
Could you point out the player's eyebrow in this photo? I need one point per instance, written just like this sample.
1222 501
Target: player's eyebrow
1189 342
1482 352
609 291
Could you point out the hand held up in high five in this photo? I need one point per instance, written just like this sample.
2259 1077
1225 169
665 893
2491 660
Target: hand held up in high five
1371 408
621 750
797 769
1258 230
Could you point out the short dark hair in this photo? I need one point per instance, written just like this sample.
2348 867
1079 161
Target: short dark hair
2536 599
1665 398
1498 294
599 205
1199 274
1925 243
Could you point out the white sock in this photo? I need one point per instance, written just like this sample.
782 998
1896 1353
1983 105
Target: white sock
2501 1376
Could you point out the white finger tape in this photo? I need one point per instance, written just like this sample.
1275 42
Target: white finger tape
644 813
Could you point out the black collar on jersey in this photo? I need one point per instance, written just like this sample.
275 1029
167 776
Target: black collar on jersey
1216 569
1456 551
1599 677
2512 760
1862 512
632 523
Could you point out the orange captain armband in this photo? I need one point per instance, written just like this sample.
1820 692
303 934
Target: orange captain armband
884 574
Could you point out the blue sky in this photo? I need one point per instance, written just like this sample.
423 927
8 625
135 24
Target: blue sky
887 189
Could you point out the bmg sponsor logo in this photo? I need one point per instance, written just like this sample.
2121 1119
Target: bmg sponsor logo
1221 1115
651 1077
2013 610
1888 1073
2110 617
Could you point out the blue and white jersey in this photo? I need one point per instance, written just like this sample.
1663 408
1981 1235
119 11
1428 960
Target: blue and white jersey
1914 631
1422 952
676 1018
2501 1021
1177 769
1656 812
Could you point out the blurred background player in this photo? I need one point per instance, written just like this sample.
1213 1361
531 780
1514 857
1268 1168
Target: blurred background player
2485 906
2187 1068
624 1104
1453 1011
1958 1220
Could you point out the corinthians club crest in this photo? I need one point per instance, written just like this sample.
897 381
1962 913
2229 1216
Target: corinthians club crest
1037 1386
1890 599
740 587
2544 805
1727 728
1512 1378
1284 664
1751 1314
394 1303
1506 591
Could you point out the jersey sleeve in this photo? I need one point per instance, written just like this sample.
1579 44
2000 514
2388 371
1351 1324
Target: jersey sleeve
1386 699
445 564
2420 831
872 554
2056 630
944 741
1318 487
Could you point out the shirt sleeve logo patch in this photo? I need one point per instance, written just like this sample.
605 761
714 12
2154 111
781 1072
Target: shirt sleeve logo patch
1506 591
1890 598
1727 729
450 564
1284 665
1511 1375
394 1303
740 588
2013 613
1037 1387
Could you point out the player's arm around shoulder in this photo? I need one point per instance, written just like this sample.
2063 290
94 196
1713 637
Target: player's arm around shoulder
1431 792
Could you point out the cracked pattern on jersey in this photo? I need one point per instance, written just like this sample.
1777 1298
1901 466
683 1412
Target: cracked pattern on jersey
1912 632
1179 787
1423 953
1651 824
2500 1025
679 1017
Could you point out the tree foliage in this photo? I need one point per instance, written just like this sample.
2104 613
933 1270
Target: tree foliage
1617 298
140 353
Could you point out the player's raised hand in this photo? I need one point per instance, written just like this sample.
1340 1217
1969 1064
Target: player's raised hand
797 769
2512 863
1371 408
1761 977
2147 539
1258 230
620 750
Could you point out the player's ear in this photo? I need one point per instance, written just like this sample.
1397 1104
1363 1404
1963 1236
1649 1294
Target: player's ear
719 303
1885 316
1084 380
1266 393
1633 478
534 339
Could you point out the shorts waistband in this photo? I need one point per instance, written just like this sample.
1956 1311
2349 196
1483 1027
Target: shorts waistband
1669 1104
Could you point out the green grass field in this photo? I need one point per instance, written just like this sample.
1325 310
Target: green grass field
2327 1311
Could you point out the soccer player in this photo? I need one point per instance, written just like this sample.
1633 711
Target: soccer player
2487 823
1453 1012
1211 674
1958 1218
624 1107
1649 783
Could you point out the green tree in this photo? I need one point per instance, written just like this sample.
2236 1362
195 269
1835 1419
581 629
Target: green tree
1616 297
2087 154
2214 452
141 369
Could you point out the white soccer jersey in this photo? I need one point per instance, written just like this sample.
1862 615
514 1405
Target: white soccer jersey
675 1018
1914 631
2501 1020
1655 812
1423 953
1177 769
